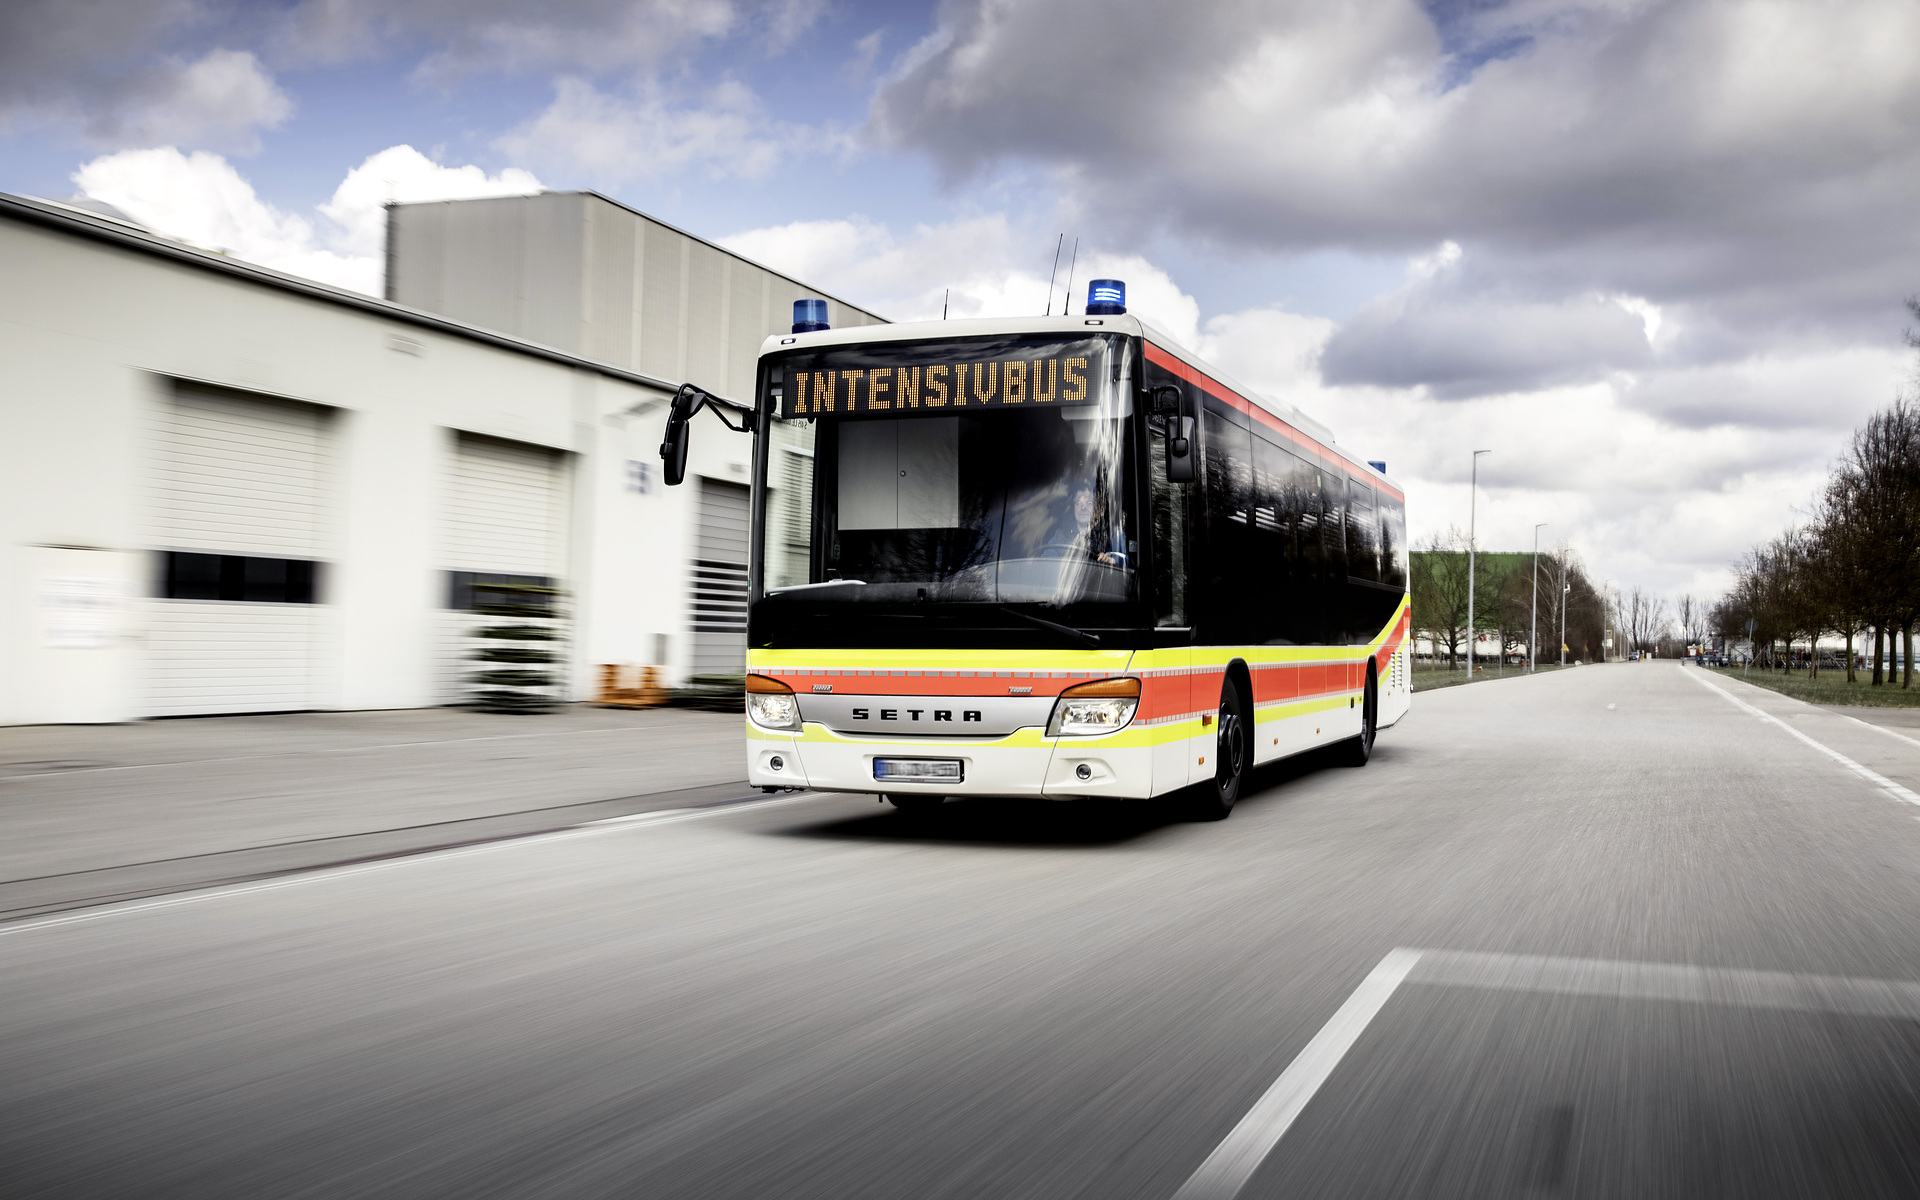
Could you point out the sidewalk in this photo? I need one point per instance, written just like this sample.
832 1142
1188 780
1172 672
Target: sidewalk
88 812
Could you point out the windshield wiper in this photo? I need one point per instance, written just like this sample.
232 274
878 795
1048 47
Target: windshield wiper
1081 634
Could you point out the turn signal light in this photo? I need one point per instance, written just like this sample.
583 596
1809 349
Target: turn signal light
1099 706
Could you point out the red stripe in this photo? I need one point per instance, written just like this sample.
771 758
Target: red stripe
1228 396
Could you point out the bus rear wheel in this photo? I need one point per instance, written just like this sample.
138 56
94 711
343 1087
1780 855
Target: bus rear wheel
1355 752
1232 755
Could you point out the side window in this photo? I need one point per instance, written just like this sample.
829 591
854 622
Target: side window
1363 552
1227 465
1170 521
1275 557
1393 541
1333 521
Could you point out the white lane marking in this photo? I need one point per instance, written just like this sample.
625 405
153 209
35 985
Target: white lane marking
1669 981
1234 1160
1880 781
198 762
1880 729
665 816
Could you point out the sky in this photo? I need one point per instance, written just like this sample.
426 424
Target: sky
1653 256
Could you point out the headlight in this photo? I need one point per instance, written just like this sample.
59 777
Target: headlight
1102 706
771 704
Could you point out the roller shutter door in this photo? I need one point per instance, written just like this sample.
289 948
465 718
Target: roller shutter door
507 512
238 478
720 580
506 521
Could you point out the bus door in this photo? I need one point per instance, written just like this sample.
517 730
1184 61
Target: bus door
1172 508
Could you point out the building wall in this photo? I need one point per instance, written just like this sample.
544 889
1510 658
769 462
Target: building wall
94 338
579 272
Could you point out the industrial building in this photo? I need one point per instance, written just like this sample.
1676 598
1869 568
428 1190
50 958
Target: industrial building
225 489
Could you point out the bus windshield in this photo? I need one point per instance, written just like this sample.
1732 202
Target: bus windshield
990 471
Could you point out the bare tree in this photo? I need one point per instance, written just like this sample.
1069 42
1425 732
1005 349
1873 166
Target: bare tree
1644 615
1439 590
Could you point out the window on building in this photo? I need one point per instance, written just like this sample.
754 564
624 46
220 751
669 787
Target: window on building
470 591
242 577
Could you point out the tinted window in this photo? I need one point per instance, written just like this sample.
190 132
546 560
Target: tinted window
238 577
1363 550
1393 540
1230 603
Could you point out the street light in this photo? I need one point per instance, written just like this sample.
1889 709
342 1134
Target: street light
1473 499
1606 616
1533 613
1565 593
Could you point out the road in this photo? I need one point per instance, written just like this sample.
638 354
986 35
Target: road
1616 931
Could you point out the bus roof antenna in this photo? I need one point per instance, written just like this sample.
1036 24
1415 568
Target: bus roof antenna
1051 275
1066 310
944 297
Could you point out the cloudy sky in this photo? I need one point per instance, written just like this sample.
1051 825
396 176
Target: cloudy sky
1652 255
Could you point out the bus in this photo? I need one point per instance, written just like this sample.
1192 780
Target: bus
1059 558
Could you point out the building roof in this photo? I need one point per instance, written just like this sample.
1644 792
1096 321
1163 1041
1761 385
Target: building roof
67 219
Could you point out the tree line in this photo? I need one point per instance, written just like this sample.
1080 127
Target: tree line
1851 570
1503 593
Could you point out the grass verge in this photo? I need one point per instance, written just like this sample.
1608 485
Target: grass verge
1830 688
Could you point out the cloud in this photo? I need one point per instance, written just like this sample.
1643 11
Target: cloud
119 71
967 266
588 38
201 199
222 99
613 139
401 174
1757 158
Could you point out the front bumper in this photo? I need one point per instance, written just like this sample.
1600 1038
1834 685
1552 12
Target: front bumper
1025 764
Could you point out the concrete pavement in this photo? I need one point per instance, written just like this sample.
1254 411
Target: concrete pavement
92 812
816 997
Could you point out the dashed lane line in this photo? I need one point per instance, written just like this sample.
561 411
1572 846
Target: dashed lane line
1234 1161
1878 780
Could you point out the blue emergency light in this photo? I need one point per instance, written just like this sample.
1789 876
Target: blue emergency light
1106 298
810 316
1378 466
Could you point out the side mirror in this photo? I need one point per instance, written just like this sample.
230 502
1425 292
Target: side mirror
1168 401
1180 452
673 452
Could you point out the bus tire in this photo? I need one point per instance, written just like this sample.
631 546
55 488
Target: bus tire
1232 757
1354 752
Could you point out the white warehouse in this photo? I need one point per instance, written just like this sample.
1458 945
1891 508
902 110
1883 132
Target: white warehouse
223 489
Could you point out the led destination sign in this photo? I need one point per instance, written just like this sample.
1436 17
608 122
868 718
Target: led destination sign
910 379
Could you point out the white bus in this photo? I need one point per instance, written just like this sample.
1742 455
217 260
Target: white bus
1053 557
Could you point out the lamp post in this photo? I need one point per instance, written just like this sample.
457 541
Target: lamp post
1533 612
1565 594
1606 616
1473 499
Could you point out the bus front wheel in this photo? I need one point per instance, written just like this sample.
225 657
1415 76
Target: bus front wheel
1232 755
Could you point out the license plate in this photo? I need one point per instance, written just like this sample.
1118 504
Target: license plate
918 770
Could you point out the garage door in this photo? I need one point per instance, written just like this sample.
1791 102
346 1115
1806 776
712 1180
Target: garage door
720 580
239 522
506 522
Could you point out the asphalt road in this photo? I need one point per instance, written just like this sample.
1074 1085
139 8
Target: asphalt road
1599 933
